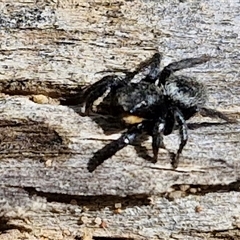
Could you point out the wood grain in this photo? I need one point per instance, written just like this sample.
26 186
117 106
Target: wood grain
49 51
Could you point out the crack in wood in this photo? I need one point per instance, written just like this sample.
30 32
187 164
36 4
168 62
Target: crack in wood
200 189
5 226
92 203
227 234
27 87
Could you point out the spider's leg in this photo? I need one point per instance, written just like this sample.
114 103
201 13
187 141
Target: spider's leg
97 89
206 112
176 66
148 70
183 136
157 139
128 74
110 149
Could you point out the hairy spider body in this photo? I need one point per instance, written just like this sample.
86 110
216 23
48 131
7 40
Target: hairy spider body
151 102
143 100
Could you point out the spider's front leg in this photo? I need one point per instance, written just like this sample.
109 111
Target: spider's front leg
110 149
157 139
183 136
97 89
176 66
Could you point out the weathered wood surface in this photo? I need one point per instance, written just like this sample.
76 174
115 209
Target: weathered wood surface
54 48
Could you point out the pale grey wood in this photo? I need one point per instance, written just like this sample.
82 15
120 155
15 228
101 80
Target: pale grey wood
54 48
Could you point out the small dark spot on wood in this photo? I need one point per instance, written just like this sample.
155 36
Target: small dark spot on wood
28 138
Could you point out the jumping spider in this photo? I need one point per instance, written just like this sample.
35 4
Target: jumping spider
150 102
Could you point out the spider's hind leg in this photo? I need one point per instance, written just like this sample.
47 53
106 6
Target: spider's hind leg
183 136
176 66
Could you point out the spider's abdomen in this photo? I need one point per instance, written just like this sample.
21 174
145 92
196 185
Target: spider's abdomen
185 92
143 99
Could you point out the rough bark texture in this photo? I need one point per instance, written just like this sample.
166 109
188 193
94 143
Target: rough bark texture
49 51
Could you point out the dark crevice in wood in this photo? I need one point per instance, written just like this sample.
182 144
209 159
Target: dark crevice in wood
5 226
92 203
198 189
73 99
26 87
224 235
231 234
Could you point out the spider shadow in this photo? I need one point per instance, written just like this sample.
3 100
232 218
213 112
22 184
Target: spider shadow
194 126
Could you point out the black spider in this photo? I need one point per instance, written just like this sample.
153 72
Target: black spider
151 102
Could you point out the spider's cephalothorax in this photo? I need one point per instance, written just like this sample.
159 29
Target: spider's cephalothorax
151 102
